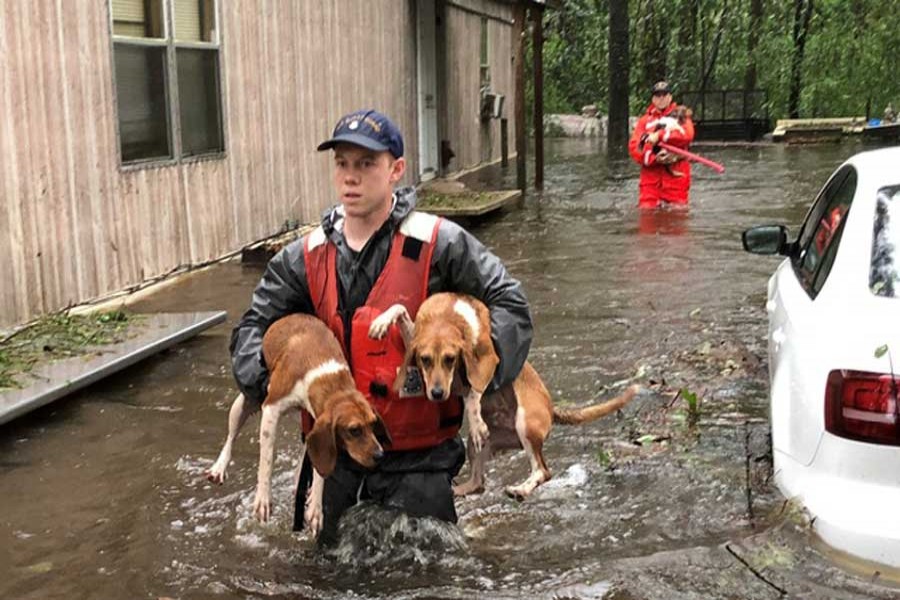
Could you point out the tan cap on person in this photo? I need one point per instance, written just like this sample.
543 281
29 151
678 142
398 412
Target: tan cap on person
660 87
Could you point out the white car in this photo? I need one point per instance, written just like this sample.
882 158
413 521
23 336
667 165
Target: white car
834 357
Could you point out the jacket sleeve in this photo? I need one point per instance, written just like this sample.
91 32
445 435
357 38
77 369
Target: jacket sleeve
462 264
641 154
282 290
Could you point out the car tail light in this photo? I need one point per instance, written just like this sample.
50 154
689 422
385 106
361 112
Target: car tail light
862 406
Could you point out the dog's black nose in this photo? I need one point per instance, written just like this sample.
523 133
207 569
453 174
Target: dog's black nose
378 454
437 393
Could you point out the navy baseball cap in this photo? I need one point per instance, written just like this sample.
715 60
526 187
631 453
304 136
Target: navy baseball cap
369 129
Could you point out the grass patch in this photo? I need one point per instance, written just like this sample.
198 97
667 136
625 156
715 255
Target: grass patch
605 458
58 336
689 413
429 199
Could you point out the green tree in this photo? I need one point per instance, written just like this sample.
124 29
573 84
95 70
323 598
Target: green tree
813 57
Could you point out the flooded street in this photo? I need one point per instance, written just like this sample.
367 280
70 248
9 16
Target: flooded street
103 495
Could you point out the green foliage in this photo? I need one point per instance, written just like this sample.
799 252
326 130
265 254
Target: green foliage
849 62
575 57
692 401
690 398
605 458
58 336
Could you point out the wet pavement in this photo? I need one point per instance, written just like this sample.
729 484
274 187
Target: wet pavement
102 494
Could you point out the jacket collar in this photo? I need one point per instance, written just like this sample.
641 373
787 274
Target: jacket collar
404 202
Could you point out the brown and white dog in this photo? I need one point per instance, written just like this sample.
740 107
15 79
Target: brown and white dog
672 122
307 371
450 343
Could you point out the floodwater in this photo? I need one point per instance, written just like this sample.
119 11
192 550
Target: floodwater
103 495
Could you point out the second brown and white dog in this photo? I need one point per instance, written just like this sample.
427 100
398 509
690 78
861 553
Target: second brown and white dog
307 371
450 343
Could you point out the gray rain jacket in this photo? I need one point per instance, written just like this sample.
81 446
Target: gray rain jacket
460 263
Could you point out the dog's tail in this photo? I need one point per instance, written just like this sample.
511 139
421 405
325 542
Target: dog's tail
576 416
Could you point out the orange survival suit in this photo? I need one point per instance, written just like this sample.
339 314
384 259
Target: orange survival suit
660 182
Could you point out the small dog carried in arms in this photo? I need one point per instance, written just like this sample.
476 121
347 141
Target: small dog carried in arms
307 371
666 125
450 344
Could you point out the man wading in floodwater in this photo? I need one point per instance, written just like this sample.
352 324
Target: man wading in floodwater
370 252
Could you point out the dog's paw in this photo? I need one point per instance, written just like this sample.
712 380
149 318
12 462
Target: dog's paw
478 432
314 516
518 492
379 327
262 506
467 488
217 473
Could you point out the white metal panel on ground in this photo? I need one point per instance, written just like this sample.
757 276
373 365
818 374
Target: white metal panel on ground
57 379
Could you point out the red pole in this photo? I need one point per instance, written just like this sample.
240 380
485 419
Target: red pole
691 156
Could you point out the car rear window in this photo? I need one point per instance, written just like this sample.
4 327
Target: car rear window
884 270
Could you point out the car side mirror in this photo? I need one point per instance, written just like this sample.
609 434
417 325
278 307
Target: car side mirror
767 239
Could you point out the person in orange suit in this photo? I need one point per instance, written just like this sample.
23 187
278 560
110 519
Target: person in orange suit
665 176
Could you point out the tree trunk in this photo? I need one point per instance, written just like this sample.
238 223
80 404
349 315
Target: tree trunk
717 42
802 16
655 40
686 60
617 130
756 20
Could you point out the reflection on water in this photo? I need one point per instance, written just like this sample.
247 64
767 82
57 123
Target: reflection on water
103 494
663 221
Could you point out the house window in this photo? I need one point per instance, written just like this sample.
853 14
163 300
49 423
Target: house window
168 91
485 57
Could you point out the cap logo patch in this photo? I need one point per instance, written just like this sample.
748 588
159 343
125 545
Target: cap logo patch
373 124
354 125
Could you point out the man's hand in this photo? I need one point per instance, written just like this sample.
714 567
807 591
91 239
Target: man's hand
653 138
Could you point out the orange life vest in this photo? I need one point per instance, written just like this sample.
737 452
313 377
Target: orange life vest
413 421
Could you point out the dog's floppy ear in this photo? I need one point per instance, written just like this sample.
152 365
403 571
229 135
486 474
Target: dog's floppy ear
381 431
321 445
480 361
408 361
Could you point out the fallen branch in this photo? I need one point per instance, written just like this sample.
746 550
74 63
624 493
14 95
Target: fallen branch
781 591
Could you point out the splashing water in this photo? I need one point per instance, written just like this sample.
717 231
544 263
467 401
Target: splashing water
373 537
574 477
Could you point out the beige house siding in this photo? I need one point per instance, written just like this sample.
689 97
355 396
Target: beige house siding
75 225
472 140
